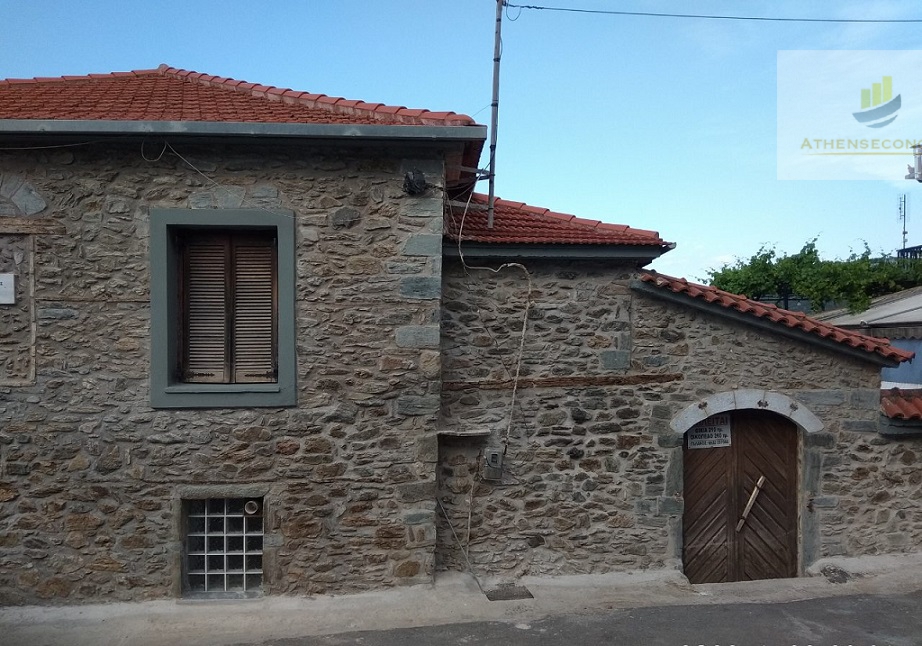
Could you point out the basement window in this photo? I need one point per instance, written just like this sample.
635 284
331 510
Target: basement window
224 547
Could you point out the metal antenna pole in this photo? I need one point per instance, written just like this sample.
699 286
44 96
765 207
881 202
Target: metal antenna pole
497 49
903 216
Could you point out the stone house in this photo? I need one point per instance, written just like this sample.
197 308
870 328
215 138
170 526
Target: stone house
259 341
895 317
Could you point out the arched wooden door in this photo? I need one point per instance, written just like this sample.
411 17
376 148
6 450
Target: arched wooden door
722 542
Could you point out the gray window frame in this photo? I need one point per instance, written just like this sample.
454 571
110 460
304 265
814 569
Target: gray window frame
165 390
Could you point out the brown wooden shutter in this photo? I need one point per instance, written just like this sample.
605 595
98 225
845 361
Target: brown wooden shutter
254 328
205 342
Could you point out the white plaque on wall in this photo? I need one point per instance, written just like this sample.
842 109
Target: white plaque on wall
710 433
7 289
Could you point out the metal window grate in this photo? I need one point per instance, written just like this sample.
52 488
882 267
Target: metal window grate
224 544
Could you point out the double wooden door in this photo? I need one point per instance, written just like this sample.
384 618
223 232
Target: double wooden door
722 540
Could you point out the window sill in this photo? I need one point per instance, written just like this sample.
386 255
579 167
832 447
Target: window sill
194 389
190 597
280 395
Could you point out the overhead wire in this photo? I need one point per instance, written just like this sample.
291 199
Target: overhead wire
652 14
480 110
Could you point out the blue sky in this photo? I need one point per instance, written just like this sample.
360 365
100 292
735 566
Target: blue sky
660 123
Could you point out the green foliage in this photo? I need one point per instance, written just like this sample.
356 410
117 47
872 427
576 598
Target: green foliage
853 281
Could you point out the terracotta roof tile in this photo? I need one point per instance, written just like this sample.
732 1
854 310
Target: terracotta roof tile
519 223
770 312
171 94
901 403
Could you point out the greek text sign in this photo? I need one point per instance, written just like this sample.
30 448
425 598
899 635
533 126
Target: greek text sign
710 433
7 289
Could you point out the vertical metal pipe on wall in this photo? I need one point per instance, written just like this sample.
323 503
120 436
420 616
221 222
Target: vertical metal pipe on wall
497 50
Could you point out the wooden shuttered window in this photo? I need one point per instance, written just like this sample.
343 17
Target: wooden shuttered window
254 313
228 304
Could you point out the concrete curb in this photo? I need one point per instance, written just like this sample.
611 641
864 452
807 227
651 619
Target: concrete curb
453 598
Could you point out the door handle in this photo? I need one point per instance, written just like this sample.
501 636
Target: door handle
752 501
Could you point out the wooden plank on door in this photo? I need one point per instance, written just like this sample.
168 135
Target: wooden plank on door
766 445
708 541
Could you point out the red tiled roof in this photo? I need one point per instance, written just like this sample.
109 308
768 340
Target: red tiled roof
898 403
769 312
171 94
519 223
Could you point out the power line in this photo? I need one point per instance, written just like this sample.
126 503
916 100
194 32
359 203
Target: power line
712 16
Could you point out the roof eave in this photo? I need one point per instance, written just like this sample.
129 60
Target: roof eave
899 428
763 324
473 133
889 331
572 251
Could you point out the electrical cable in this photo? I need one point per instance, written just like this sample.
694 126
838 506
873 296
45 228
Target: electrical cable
82 143
465 266
479 111
245 202
650 14
510 18
156 159
521 351
213 182
470 513
167 146
470 568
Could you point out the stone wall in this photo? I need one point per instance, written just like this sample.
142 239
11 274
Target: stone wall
92 478
593 472
17 321
861 491
389 350
19 200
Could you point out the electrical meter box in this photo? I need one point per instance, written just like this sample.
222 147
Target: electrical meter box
493 464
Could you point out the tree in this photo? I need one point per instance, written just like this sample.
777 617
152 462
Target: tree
852 282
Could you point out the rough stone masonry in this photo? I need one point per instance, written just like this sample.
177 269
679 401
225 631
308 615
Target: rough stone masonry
405 377
92 478
593 471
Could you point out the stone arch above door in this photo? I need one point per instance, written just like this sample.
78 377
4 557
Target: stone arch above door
746 398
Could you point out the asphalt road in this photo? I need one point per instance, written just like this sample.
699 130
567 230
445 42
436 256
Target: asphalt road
893 620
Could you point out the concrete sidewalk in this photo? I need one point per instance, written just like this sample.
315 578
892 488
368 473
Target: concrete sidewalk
454 598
